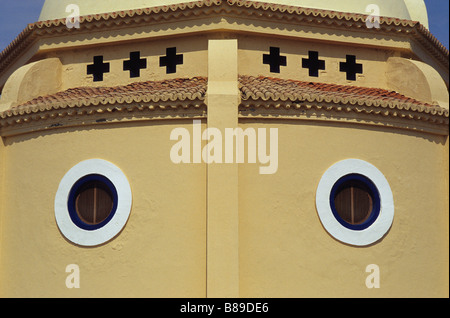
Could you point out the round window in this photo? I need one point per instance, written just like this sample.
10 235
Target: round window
92 202
355 201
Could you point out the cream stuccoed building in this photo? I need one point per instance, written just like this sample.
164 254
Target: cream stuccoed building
216 148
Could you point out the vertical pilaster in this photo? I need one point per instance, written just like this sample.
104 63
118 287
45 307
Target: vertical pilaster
222 178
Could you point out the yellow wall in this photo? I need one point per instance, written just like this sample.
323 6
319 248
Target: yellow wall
74 62
283 249
195 53
253 47
286 252
159 253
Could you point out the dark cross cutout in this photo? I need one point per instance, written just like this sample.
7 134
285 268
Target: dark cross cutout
171 60
135 64
274 59
98 68
313 63
351 67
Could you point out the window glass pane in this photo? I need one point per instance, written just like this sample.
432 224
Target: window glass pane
94 202
353 202
104 202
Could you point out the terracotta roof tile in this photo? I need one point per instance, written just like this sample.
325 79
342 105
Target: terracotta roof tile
252 88
268 88
173 89
255 91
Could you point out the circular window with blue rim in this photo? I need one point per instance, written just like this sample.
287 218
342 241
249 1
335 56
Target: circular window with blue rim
355 202
92 202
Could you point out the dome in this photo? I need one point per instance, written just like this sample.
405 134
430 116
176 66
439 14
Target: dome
403 9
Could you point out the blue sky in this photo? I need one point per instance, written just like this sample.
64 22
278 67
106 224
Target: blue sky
16 14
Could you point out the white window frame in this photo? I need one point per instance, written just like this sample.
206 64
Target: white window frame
99 236
377 229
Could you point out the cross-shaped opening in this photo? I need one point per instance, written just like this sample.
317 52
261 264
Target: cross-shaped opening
351 67
274 59
313 63
98 68
171 60
135 64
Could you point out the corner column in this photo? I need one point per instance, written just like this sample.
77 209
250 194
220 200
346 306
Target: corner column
222 178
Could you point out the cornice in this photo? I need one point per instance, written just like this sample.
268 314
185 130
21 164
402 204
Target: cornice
168 99
272 98
243 8
256 89
37 119
425 121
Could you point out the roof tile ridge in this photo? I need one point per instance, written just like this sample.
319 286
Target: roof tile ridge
112 94
351 98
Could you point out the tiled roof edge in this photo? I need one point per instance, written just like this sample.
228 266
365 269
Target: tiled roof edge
251 96
153 92
403 107
304 14
338 94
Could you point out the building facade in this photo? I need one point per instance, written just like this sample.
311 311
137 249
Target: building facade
225 149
